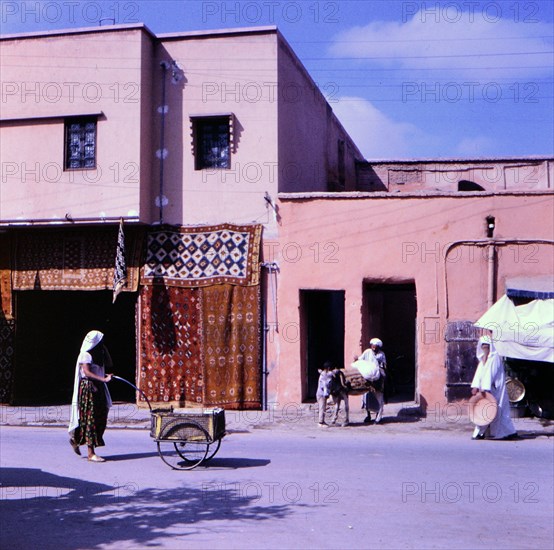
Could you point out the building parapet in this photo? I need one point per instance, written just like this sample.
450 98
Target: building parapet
424 194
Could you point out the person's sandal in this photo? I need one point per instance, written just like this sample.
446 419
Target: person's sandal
75 447
96 458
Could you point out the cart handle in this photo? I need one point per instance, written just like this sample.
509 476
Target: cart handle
138 389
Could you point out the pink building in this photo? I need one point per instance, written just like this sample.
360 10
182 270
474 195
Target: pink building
259 240
415 261
200 130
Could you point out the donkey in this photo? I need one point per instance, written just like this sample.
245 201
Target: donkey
332 384
339 384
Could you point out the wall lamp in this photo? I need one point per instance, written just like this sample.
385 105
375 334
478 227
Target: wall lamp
490 226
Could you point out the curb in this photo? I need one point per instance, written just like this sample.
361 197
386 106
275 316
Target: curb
403 418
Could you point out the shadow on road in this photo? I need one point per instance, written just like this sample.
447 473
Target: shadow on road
130 456
40 509
221 463
534 434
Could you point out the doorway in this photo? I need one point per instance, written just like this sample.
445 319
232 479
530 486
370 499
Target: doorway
50 328
389 313
322 316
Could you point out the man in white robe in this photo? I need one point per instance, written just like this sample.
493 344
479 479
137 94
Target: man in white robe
490 377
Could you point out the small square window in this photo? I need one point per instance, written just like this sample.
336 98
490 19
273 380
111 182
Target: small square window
212 142
80 143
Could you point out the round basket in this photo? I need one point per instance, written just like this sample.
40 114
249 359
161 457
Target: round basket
482 409
515 389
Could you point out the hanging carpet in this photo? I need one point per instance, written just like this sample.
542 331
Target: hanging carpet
78 259
170 350
7 354
232 345
202 256
200 317
6 308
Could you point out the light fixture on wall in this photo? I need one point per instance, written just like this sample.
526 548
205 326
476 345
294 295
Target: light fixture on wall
490 226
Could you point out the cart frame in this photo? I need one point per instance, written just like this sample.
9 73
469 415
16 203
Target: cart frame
188 438
185 438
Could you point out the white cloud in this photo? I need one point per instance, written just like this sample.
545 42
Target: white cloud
378 136
475 46
476 147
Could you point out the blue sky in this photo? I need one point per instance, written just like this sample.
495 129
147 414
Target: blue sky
408 79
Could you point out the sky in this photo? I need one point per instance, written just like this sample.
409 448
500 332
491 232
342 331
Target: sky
407 79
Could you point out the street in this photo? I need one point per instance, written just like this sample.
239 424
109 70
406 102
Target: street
281 487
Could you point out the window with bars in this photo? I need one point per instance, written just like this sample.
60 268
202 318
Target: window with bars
80 143
212 142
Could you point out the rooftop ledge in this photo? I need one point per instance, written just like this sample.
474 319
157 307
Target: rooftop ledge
423 194
142 27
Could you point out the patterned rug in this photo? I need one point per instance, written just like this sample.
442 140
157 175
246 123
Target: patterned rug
170 350
203 256
7 345
201 346
232 347
5 278
73 259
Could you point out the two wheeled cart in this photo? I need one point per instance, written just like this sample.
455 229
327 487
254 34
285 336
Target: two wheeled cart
186 438
189 438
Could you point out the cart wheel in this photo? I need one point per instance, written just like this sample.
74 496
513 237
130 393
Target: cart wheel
212 449
187 451
184 446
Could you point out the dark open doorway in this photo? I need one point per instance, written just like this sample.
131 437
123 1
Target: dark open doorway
322 314
389 313
50 328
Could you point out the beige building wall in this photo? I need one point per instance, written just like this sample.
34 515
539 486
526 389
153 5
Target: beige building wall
46 79
220 74
309 134
453 175
284 134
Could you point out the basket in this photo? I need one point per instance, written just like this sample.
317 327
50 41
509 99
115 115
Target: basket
167 424
515 389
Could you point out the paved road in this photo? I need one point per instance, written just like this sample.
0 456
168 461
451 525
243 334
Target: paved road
281 486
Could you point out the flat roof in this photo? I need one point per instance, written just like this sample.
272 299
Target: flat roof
536 287
142 27
419 194
218 32
80 30
466 160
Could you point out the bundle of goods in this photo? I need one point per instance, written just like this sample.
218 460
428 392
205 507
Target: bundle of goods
357 384
361 373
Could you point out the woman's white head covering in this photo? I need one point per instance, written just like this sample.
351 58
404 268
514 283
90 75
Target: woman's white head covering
376 342
92 339
484 340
